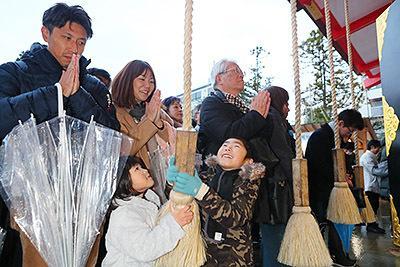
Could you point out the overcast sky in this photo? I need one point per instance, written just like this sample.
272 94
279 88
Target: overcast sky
152 30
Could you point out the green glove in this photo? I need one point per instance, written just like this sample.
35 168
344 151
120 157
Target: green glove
187 184
172 171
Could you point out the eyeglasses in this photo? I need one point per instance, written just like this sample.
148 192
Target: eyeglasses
235 70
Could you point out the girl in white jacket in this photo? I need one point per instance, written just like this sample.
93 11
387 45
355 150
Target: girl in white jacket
133 238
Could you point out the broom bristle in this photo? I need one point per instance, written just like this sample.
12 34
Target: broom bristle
190 250
367 213
303 244
342 207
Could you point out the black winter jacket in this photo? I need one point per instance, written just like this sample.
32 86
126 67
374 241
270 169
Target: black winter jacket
27 87
220 120
275 202
320 169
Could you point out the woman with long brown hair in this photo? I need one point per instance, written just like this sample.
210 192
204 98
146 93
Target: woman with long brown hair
138 108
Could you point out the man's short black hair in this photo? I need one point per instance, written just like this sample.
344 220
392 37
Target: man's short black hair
351 118
61 13
99 72
373 143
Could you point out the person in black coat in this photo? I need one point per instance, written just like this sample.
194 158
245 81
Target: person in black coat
321 174
275 201
29 86
224 115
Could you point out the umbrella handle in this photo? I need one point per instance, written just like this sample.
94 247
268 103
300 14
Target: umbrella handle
60 100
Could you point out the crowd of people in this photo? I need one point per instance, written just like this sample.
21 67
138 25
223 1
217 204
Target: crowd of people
244 186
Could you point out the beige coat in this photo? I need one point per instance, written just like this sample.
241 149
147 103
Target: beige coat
141 132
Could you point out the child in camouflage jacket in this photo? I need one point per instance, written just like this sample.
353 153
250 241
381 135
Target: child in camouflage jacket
226 198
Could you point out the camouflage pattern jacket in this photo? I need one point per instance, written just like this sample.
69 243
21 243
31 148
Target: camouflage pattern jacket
234 247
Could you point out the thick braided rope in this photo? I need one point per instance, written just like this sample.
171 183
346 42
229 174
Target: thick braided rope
331 69
296 77
187 69
350 59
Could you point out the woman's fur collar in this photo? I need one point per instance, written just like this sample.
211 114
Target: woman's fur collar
250 171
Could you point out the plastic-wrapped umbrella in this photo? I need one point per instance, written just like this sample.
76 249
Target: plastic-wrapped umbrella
159 164
57 179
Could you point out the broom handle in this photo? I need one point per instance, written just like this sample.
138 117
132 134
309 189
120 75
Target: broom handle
339 165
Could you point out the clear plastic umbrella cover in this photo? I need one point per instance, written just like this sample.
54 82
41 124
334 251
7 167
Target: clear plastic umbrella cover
159 159
57 179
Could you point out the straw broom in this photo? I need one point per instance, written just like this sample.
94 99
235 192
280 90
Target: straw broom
367 213
190 250
342 207
302 244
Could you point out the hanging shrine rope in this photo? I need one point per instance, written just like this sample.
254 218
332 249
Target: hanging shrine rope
187 69
342 207
332 74
302 244
367 213
350 61
296 77
190 250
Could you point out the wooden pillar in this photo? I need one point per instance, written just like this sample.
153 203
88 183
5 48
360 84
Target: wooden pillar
339 165
186 141
300 182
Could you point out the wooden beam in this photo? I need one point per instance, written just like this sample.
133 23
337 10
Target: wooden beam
369 65
370 82
305 2
360 23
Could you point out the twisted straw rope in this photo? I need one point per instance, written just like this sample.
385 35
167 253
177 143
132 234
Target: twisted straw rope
350 59
331 69
187 69
296 77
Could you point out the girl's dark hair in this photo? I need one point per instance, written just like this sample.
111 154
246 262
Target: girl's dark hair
279 97
122 85
124 189
61 13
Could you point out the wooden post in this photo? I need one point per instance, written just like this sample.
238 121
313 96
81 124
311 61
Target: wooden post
300 182
339 165
358 176
186 150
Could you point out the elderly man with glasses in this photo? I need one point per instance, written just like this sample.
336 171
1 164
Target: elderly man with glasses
223 113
